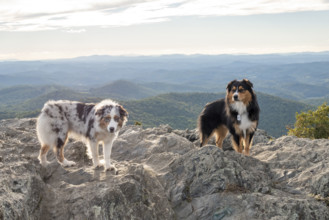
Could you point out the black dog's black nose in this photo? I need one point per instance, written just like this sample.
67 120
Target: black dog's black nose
111 129
236 97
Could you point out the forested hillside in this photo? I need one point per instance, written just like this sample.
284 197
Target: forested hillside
169 89
179 110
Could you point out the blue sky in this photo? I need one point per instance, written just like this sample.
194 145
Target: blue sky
43 29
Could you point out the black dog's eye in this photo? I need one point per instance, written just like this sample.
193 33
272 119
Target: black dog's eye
241 89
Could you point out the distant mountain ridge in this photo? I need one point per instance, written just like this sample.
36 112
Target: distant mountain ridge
171 88
123 90
295 76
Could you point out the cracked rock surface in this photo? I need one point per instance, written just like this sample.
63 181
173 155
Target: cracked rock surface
163 174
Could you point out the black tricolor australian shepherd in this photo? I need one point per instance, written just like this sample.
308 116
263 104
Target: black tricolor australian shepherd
238 113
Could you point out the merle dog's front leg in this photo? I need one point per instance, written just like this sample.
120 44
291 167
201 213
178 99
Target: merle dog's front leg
107 156
93 146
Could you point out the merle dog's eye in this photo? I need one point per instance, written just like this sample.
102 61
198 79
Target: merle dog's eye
116 118
107 119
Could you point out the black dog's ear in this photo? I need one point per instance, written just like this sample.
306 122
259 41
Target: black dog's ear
123 112
248 82
229 86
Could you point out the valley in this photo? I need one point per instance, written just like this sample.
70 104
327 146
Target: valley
169 89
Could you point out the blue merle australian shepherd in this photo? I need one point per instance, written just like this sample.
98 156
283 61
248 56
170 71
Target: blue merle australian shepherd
238 113
93 123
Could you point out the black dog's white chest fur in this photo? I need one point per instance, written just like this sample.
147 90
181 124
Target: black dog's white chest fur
242 117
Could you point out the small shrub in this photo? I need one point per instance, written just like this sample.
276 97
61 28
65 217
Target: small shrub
312 124
137 123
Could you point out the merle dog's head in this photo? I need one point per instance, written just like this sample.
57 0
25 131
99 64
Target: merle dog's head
239 91
112 116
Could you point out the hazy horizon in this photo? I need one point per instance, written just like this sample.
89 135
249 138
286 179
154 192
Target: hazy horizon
169 54
38 30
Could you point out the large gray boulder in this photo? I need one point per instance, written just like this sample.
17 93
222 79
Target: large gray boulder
29 191
299 163
163 174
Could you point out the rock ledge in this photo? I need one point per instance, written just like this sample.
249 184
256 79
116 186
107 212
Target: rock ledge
163 174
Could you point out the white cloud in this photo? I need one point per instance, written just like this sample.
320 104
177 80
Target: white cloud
75 31
21 15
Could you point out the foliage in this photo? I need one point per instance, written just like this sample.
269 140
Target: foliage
312 124
137 123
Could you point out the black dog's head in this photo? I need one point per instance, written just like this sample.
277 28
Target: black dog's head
239 91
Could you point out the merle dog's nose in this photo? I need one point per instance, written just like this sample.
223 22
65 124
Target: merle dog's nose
236 97
111 129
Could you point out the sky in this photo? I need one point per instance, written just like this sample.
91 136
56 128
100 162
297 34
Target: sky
44 29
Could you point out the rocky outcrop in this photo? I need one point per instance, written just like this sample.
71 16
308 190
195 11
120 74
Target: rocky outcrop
163 174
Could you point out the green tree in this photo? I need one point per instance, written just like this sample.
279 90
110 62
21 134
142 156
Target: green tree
312 124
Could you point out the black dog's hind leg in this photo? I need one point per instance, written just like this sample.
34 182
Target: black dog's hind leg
221 133
204 138
205 135
205 131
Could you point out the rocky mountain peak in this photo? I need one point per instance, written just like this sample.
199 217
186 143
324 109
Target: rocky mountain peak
163 174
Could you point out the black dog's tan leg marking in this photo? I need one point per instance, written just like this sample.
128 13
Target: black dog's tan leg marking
248 143
237 143
235 140
204 140
240 145
221 133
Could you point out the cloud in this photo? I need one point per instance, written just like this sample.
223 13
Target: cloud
58 18
75 31
21 15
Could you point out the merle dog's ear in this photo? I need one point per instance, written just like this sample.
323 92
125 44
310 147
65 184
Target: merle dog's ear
229 86
123 112
99 112
248 82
